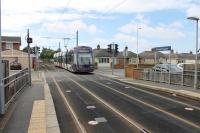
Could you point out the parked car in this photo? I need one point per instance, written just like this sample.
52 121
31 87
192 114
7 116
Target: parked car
15 66
165 68
181 65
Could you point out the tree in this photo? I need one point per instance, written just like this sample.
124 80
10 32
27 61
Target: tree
25 49
47 53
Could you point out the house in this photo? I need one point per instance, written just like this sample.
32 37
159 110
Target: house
174 58
18 56
152 57
188 57
102 57
10 42
131 58
11 51
181 58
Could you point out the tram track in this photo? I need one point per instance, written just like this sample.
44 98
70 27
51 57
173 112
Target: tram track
169 114
86 82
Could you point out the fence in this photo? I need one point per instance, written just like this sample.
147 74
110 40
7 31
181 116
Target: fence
11 87
185 78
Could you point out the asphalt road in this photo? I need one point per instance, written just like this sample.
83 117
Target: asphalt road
96 104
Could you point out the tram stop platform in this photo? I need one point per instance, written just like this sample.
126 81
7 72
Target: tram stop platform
32 111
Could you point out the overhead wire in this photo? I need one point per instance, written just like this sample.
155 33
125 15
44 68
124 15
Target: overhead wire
114 7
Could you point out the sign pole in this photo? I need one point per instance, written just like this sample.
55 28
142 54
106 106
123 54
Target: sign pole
29 40
113 58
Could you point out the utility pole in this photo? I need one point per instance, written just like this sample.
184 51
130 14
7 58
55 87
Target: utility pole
113 53
77 38
29 40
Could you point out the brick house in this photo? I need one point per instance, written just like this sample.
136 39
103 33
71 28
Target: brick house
148 57
131 58
10 42
11 51
18 56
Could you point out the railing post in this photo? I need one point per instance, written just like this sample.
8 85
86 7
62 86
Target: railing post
2 98
182 78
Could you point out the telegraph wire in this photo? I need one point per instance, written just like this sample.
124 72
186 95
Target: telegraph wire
59 18
114 7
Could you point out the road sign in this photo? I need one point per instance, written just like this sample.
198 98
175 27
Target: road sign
165 48
29 40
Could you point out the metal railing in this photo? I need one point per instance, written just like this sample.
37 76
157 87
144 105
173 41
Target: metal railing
185 78
12 85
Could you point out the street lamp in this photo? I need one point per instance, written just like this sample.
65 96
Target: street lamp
138 28
195 73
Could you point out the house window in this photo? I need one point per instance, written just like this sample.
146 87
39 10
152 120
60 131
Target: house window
9 45
103 60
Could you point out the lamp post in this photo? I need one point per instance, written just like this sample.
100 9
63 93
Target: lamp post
195 72
125 55
138 28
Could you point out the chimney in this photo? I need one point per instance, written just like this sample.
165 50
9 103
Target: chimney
98 47
172 51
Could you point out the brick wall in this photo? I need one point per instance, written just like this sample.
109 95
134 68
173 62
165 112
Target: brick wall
16 46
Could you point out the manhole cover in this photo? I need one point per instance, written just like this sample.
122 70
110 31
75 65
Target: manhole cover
90 107
189 109
92 122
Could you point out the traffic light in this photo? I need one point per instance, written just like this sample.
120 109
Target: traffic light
38 50
116 49
33 50
109 48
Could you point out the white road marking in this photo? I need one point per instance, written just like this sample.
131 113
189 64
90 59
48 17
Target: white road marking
127 87
100 119
92 122
166 98
189 109
81 127
173 94
151 106
90 107
137 125
68 91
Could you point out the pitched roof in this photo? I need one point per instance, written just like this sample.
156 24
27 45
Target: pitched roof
15 53
101 53
151 55
11 39
188 56
130 55
174 56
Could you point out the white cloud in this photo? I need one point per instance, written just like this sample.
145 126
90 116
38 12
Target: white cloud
128 6
70 27
131 42
163 32
193 10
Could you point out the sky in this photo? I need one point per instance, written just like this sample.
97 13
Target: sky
148 23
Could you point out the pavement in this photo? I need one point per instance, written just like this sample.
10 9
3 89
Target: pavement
32 111
170 88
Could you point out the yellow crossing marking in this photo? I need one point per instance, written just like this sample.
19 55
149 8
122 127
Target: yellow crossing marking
38 121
